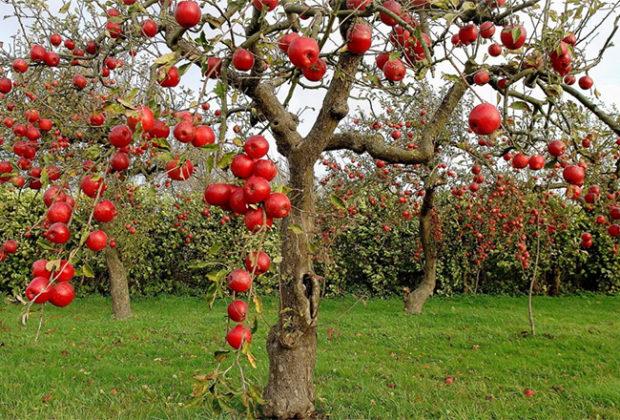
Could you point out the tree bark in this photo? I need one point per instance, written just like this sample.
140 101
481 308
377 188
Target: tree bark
414 301
291 343
119 287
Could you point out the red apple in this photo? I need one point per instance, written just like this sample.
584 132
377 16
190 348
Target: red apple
303 51
238 335
187 13
239 281
97 240
484 119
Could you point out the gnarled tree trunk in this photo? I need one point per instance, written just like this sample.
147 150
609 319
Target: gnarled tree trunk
291 343
414 301
119 287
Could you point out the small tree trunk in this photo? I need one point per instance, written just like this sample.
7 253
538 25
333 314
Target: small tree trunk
414 301
291 343
556 281
119 287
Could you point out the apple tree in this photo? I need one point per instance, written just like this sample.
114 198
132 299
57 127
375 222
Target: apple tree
291 71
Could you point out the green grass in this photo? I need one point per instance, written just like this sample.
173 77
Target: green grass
374 362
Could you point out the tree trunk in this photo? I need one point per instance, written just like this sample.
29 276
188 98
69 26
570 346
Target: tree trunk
119 288
291 343
414 301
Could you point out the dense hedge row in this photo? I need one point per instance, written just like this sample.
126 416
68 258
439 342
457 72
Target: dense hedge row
361 257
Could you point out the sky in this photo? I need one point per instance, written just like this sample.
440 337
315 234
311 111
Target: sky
606 75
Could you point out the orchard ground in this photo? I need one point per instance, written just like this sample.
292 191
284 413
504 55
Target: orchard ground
374 362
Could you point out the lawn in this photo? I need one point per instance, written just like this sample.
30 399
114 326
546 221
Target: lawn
373 361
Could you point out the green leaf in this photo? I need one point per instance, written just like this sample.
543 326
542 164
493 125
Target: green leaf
296 229
65 8
183 68
87 271
337 202
226 160
166 58
258 304
220 90
520 106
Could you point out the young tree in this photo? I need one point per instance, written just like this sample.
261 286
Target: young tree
269 58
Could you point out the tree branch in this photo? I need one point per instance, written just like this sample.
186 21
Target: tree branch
614 125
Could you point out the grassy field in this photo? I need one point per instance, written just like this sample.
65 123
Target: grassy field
374 362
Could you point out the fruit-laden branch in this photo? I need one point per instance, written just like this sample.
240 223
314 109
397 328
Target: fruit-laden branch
376 146
335 105
596 110
283 124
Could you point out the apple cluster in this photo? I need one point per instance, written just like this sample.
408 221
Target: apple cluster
259 206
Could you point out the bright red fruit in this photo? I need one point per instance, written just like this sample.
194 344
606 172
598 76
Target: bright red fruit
58 233
487 29
256 219
265 4
484 119
315 71
238 335
105 211
481 77
120 136
90 185
62 294
303 51
256 146
178 171
239 281
585 82
574 175
237 310
394 7
285 41
256 189
359 38
495 50
242 166
59 212
265 168
5 85
537 162
187 13
171 78
556 148
55 39
149 28
38 287
394 70
203 135
217 194
97 240
119 161
257 262
242 59
79 81
184 132
39 269
10 246
468 34
513 36
236 202
66 273
277 206
360 5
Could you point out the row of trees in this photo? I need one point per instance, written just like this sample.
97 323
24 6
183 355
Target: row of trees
88 119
